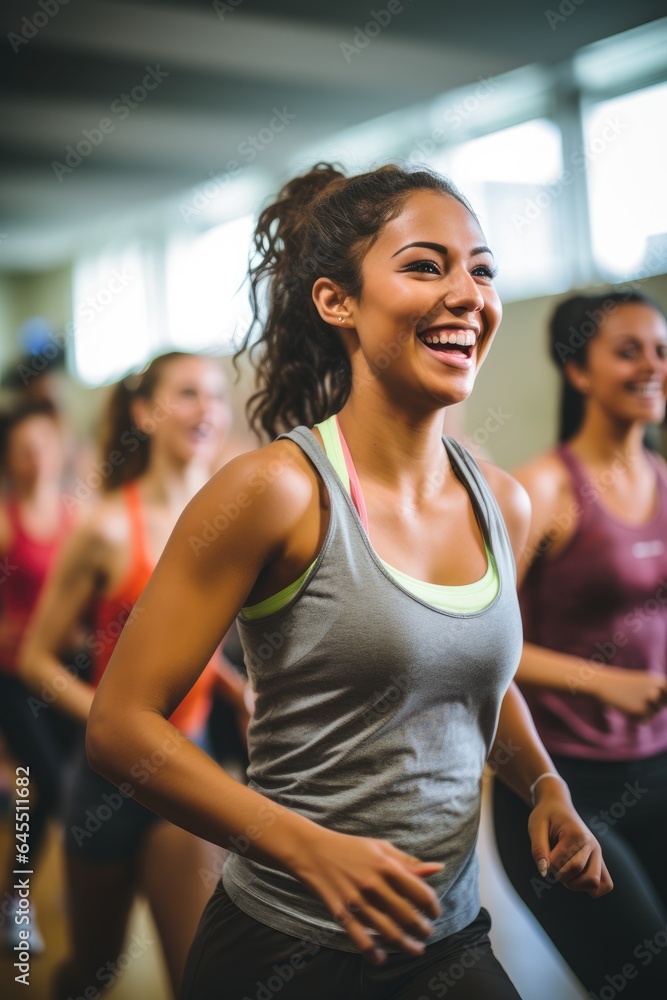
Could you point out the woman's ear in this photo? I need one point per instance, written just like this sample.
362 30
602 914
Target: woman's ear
577 376
332 303
141 417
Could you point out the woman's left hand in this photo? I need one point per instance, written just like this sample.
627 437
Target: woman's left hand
562 843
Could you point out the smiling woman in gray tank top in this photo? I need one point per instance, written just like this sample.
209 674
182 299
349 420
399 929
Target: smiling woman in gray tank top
370 562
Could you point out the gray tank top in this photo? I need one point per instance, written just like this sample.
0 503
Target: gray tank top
375 712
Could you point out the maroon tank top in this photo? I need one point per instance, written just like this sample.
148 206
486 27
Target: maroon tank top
604 598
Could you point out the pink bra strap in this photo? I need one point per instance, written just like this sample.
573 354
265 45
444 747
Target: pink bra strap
355 486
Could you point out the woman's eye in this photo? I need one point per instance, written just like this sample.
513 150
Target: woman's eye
486 270
424 266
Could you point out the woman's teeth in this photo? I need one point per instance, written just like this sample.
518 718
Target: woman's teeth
464 338
647 388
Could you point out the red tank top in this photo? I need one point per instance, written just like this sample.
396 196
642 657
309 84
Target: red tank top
24 569
604 598
112 610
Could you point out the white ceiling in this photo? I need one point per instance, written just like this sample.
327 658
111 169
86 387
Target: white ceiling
224 76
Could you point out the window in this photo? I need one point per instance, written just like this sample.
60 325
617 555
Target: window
133 302
206 291
110 314
513 179
626 153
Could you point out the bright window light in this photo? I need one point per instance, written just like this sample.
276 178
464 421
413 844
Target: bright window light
626 152
526 154
513 179
207 295
110 314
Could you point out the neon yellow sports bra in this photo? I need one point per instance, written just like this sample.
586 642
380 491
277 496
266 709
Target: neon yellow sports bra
466 598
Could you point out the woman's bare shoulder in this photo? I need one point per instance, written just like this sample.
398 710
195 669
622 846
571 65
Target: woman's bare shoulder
263 495
545 478
100 528
275 473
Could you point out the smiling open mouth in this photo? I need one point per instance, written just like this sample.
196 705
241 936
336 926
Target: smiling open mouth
458 343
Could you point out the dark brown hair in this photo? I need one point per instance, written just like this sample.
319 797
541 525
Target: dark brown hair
320 225
120 434
573 323
23 410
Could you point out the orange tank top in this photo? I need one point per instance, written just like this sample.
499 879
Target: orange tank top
112 610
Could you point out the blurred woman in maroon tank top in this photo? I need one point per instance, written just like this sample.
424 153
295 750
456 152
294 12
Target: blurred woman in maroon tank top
593 589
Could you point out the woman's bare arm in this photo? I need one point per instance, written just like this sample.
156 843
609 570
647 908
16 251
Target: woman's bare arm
559 838
67 592
636 692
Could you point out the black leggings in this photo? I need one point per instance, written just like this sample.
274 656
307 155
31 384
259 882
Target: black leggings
616 945
41 738
235 957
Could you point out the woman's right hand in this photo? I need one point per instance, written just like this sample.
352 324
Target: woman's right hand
636 692
370 884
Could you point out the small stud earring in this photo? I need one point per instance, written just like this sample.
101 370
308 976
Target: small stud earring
340 319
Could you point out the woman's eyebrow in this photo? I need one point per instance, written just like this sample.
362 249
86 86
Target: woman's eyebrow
636 338
439 248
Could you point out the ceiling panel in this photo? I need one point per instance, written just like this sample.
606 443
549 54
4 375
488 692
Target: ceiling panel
187 87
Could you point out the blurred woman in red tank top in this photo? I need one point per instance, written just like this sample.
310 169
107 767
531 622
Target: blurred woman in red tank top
593 590
162 435
33 523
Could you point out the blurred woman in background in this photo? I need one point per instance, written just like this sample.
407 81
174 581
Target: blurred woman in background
593 590
162 434
34 521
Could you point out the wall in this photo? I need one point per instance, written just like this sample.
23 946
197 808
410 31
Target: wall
511 414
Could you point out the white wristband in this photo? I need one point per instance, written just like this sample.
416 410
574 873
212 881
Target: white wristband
547 774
